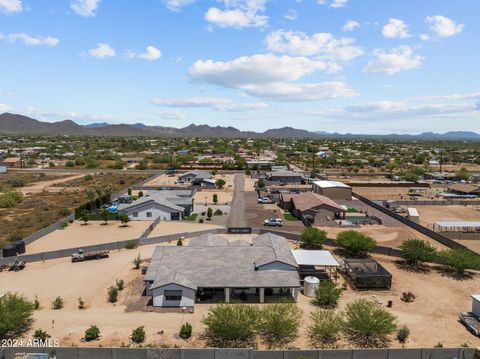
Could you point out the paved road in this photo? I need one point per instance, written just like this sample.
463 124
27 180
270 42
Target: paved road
238 216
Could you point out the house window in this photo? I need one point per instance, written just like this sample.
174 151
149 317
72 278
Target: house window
173 295
149 214
135 214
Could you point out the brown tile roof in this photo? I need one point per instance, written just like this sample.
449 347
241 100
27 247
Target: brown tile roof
465 188
308 200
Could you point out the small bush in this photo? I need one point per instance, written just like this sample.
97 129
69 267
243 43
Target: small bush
180 242
200 220
81 303
112 294
57 303
41 335
36 303
92 333
120 283
63 212
215 198
355 242
136 262
131 245
408 297
325 327
218 212
416 252
186 331
327 294
138 335
402 334
459 260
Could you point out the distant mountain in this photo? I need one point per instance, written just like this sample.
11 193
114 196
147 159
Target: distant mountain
18 124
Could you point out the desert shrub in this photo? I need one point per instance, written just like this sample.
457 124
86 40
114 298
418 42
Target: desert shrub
408 297
355 242
402 334
10 199
57 303
278 323
368 324
41 335
124 218
15 314
138 335
136 262
180 242
63 212
312 237
200 220
112 294
218 212
81 303
231 325
36 303
186 331
459 260
131 245
209 213
215 198
327 294
325 327
92 333
220 183
120 283
416 252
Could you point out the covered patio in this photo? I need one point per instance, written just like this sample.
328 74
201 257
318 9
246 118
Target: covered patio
317 263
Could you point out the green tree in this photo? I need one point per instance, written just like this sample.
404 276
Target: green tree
215 198
327 294
104 216
209 213
325 327
355 242
138 335
231 325
220 183
462 174
186 331
312 237
84 217
368 324
124 218
278 323
15 314
92 333
261 183
459 260
416 252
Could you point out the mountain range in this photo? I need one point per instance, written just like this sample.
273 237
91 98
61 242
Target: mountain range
19 124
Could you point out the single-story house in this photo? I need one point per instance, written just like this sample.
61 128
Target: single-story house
286 176
11 162
180 276
333 189
312 206
194 175
464 189
204 182
166 205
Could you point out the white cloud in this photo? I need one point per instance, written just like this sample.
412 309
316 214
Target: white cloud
176 5
238 14
424 37
291 15
443 26
217 103
11 6
172 115
338 3
322 45
302 91
151 54
389 63
4 108
30 40
256 69
351 25
87 8
395 29
102 51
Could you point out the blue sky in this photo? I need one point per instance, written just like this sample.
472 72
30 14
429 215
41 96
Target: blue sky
358 66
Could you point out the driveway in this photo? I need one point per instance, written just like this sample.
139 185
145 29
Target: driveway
237 211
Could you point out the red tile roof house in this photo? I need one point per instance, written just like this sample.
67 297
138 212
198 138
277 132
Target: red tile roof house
312 206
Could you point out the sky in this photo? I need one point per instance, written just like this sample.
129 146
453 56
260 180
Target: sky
347 66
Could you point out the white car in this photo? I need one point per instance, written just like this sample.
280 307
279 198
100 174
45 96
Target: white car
265 200
273 222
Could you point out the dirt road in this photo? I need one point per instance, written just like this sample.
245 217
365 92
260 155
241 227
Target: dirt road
238 216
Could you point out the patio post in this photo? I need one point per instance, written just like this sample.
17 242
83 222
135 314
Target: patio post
227 295
262 295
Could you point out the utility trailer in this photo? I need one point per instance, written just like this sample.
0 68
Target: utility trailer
81 255
16 266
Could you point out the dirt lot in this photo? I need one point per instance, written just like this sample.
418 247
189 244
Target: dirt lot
53 185
78 234
432 318
206 196
431 214
398 193
172 227
171 181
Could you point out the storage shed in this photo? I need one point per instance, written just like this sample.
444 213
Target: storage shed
413 215
365 273
333 190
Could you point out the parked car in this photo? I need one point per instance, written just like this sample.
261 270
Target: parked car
265 200
273 222
471 321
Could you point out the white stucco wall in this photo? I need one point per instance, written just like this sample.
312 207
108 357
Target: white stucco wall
142 215
188 297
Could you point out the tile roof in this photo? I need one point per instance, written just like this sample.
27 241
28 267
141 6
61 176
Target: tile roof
309 200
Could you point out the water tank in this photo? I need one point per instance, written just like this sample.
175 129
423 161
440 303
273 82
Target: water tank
20 245
309 285
10 251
